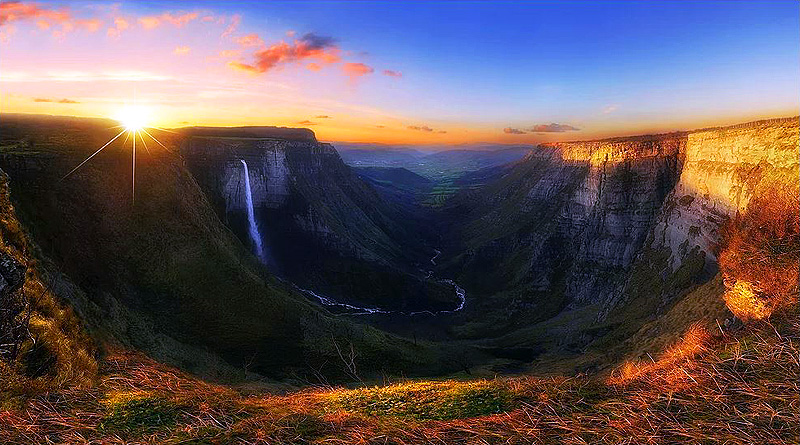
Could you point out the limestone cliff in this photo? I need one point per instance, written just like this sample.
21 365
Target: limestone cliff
579 223
323 227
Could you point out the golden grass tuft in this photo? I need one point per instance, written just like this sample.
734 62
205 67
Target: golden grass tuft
694 341
760 258
744 301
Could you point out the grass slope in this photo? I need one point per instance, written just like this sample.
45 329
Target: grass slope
737 387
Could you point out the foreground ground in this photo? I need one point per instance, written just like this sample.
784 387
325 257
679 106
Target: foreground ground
737 385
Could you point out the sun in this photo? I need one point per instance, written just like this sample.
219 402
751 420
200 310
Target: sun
134 121
133 118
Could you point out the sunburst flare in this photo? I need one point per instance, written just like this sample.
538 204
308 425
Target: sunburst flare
133 120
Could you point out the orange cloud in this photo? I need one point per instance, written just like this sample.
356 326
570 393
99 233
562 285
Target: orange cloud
509 130
154 21
391 73
45 18
356 70
310 46
181 50
14 11
120 24
250 40
313 67
228 53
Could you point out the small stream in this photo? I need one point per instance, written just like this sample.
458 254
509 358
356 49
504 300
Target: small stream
349 309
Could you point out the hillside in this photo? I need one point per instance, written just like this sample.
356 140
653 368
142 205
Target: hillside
163 274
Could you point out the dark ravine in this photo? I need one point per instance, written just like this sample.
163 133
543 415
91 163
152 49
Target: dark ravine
350 309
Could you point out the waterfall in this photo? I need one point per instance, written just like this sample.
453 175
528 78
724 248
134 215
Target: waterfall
251 215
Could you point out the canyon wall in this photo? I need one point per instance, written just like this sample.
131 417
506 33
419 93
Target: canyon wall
724 167
324 228
606 222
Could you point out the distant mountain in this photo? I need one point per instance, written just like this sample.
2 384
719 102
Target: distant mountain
370 155
438 163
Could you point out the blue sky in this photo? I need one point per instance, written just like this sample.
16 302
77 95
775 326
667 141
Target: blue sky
473 68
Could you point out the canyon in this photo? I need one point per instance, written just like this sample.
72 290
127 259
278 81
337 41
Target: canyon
562 259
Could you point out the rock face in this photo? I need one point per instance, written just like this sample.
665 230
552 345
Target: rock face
571 216
574 222
323 227
12 275
722 170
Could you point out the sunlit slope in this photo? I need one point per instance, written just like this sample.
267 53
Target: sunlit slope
737 386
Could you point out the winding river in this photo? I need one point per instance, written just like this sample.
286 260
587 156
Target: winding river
349 309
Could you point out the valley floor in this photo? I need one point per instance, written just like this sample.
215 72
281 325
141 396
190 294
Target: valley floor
738 386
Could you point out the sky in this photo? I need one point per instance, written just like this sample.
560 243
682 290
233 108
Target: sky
407 72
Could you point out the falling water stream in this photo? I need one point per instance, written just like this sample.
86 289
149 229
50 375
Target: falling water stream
251 216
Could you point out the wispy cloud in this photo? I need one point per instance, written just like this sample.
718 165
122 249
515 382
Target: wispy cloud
392 73
55 101
232 25
120 24
425 128
44 18
154 21
251 39
509 130
181 50
307 122
83 76
228 53
541 128
553 128
323 116
610 108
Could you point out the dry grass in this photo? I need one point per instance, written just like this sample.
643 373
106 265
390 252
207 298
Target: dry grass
738 389
760 259
56 351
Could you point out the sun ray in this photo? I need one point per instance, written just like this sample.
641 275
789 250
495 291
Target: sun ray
144 143
93 154
133 169
159 142
164 129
